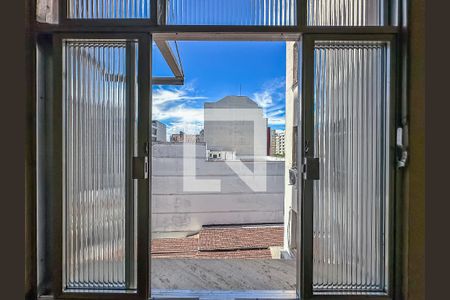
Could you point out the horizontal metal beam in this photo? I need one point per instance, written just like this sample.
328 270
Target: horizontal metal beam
226 36
169 57
204 32
168 81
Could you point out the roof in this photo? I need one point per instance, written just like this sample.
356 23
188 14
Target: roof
219 242
233 102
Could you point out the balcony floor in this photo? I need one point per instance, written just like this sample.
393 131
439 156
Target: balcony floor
223 274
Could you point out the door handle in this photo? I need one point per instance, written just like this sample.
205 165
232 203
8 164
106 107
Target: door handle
140 167
311 168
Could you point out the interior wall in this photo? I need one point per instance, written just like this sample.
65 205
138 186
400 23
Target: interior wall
414 237
47 11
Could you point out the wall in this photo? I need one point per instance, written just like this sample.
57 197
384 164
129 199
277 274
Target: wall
414 184
47 11
237 134
175 211
291 195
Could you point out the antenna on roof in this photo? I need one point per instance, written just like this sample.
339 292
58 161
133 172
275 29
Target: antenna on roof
240 89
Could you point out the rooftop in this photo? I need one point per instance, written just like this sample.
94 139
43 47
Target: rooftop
214 242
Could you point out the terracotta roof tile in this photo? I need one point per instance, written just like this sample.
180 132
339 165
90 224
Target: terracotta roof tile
234 238
221 242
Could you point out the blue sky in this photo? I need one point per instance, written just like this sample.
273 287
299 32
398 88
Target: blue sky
214 70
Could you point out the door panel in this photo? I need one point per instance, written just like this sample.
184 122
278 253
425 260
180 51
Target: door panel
348 129
97 182
104 116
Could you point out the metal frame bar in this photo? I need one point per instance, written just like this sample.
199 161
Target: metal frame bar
85 26
169 56
143 191
172 62
167 81
307 195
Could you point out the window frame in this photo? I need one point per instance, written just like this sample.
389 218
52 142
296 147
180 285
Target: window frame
144 29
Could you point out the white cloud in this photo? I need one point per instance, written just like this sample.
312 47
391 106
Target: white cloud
272 99
175 106
163 95
172 104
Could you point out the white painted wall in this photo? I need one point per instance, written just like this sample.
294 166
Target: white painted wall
239 133
292 97
177 212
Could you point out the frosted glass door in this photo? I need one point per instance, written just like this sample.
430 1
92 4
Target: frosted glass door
350 136
99 197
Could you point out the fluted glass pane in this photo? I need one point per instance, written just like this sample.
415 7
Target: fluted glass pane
96 151
346 12
232 12
351 141
108 9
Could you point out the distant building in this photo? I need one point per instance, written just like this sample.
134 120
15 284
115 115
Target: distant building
187 138
159 131
277 140
236 135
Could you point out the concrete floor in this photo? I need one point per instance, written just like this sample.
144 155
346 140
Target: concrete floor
229 274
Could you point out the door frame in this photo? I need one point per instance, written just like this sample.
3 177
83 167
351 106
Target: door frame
143 185
145 29
306 197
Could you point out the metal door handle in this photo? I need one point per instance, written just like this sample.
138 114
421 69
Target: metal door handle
311 168
140 167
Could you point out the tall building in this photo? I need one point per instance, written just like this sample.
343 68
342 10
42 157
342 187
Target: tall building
159 131
277 139
235 131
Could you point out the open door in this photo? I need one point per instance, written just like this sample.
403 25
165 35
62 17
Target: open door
347 173
101 140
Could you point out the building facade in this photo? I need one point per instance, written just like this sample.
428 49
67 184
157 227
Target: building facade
241 128
159 131
277 142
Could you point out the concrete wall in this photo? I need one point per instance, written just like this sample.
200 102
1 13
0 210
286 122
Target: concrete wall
237 134
47 11
175 211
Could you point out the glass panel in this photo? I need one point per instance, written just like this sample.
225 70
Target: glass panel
97 152
232 12
346 12
351 140
108 9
